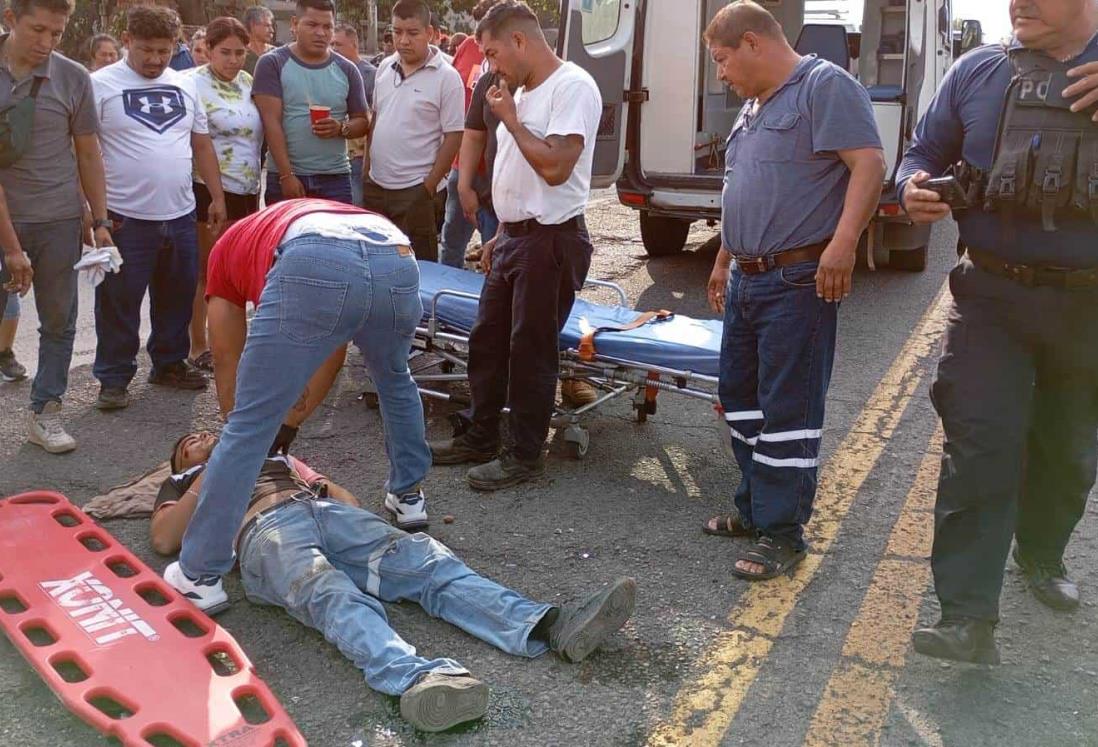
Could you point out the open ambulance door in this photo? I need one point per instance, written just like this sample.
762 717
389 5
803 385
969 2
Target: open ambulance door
597 35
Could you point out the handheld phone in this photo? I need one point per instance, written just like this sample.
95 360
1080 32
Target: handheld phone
948 189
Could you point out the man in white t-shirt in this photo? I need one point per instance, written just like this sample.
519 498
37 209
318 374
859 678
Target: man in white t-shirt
153 133
541 254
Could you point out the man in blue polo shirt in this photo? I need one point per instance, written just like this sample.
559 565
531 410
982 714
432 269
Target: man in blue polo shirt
803 178
308 151
1017 385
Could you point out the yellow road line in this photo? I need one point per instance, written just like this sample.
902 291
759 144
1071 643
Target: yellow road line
856 700
705 707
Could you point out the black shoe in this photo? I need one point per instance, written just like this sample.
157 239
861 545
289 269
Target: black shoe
505 472
438 701
179 375
112 398
969 641
1049 583
462 450
581 628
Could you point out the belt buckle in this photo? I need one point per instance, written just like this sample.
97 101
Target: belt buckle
757 264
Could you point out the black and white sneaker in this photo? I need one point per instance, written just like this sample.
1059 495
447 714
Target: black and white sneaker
208 595
409 510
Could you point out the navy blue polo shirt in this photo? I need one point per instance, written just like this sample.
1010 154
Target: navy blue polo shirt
784 183
962 123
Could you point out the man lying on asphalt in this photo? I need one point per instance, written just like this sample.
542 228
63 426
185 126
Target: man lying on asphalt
320 274
306 546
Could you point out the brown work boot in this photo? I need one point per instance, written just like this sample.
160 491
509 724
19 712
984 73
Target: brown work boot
179 375
462 450
576 393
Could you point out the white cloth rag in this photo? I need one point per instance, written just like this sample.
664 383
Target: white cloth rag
96 263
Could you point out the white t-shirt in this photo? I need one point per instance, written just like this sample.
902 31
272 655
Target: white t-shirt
566 103
145 128
368 227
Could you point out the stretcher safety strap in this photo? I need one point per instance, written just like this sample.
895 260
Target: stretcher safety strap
587 350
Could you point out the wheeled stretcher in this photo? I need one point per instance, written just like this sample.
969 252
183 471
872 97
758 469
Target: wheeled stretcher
621 351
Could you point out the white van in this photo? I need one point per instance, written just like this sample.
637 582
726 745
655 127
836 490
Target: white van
666 117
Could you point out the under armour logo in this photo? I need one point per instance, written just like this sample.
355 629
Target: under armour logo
156 107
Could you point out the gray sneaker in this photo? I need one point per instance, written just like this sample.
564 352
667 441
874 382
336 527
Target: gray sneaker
44 429
11 369
112 398
504 472
582 627
438 701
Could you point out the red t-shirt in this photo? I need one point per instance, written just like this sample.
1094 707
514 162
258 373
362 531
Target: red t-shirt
242 257
467 61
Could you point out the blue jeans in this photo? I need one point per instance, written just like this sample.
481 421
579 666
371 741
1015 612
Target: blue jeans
331 566
457 231
11 307
53 248
162 258
356 181
776 357
320 294
324 186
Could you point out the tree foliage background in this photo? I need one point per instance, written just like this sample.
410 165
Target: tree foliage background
95 16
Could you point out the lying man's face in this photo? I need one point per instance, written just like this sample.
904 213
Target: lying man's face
193 449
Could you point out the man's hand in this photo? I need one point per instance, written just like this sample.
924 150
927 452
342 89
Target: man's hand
717 287
327 129
486 256
1086 88
923 205
292 188
833 277
103 237
470 204
502 104
18 265
431 186
216 216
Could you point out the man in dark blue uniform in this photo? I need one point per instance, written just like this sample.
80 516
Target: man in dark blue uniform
802 179
1017 385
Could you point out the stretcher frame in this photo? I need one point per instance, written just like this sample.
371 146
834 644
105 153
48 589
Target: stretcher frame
438 345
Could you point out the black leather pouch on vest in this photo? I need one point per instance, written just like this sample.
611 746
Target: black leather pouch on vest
1046 156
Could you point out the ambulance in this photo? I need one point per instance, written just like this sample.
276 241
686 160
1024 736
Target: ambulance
666 116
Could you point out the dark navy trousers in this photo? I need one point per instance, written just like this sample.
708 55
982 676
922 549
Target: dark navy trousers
776 357
1017 391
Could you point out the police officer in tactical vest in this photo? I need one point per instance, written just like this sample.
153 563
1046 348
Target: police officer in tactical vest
1017 384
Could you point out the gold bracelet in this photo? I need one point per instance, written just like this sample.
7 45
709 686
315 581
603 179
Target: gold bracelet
284 176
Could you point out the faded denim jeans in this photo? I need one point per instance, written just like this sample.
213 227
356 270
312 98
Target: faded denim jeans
331 566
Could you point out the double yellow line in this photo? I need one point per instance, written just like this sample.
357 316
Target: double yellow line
704 708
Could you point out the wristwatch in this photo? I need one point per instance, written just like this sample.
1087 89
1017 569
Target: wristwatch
101 223
345 129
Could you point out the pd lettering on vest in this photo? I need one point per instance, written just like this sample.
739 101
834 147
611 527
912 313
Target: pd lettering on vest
92 605
156 107
1036 91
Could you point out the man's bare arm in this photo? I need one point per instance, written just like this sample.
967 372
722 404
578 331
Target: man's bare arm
169 524
270 112
553 158
447 152
228 329
317 388
93 181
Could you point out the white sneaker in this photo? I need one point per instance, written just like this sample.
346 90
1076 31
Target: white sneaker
210 597
409 510
45 430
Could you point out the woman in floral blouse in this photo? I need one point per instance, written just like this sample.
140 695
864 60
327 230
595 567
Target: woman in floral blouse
225 90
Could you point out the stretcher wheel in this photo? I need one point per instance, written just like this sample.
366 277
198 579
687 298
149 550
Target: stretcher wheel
577 441
643 410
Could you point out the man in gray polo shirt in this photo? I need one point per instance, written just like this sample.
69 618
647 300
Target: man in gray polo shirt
802 180
44 194
419 110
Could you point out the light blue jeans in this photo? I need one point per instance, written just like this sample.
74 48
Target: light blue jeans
331 565
320 294
457 231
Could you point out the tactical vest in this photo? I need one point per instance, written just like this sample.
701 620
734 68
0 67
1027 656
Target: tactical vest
1046 156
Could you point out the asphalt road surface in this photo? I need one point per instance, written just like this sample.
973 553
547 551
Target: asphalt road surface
821 658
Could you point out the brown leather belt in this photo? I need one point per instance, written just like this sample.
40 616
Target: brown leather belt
766 263
1033 276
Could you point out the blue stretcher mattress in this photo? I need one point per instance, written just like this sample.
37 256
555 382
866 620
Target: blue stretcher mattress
680 343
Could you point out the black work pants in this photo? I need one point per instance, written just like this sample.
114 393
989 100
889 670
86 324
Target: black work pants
412 210
1017 391
513 348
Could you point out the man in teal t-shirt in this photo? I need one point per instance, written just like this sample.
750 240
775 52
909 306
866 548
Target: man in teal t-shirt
309 158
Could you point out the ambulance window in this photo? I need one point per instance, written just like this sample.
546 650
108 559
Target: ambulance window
600 20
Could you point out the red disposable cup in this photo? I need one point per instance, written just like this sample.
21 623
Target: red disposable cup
317 113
